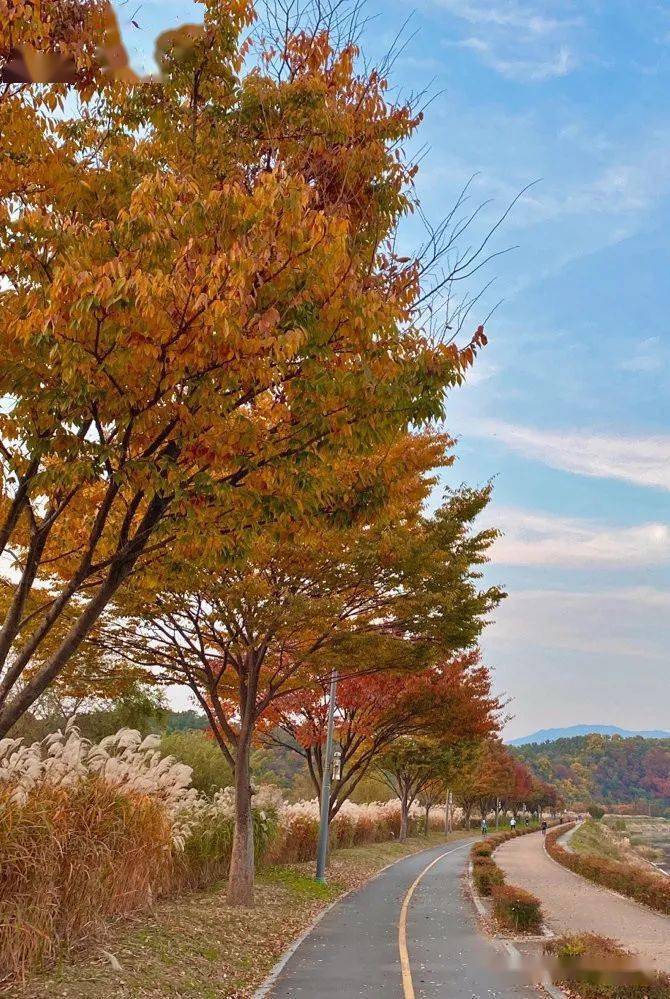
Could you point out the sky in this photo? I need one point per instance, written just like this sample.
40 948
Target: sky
567 410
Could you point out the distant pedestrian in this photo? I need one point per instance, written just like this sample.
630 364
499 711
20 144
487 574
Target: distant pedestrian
512 823
485 827
544 827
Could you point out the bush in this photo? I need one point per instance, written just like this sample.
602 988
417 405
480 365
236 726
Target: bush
199 751
596 812
516 909
482 849
587 965
627 879
486 874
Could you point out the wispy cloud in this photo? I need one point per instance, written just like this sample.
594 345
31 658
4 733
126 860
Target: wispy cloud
559 64
644 461
539 539
618 623
648 356
507 15
524 42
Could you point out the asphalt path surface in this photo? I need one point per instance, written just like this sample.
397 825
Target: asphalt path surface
354 950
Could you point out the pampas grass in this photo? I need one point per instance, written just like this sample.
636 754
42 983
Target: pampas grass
71 857
89 831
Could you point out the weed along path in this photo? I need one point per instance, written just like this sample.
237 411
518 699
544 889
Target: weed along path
410 933
574 905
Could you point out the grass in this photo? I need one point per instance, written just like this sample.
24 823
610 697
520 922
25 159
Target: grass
593 967
594 838
197 946
644 885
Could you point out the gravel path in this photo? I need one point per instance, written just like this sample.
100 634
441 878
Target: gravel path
574 905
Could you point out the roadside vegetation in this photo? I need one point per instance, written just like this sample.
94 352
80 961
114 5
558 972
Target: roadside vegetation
628 878
198 947
594 838
592 967
515 910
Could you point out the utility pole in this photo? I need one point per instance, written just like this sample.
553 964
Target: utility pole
447 813
322 852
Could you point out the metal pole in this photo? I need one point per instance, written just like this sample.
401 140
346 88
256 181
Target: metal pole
322 853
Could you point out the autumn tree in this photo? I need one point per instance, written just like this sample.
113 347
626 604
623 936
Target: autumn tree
375 709
461 713
243 635
201 307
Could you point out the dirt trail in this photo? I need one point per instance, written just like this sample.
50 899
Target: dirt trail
574 905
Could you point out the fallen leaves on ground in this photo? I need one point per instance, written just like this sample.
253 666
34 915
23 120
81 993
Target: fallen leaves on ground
197 946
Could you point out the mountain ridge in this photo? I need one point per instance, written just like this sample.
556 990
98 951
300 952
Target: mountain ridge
569 732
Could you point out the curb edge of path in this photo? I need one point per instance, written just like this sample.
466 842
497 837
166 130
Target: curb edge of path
264 988
501 943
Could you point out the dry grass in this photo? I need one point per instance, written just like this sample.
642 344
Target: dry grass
196 946
587 966
596 839
71 858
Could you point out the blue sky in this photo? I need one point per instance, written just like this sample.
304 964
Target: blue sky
568 408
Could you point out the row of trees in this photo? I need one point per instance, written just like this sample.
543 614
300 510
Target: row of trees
222 387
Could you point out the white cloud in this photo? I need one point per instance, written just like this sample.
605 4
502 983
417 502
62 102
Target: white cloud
507 15
644 461
559 64
531 538
648 356
626 623
524 42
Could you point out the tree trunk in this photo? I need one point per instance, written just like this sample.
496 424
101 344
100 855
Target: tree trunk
428 807
241 874
404 818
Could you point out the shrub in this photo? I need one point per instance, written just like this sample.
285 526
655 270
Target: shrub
482 849
486 874
516 909
596 812
594 967
197 749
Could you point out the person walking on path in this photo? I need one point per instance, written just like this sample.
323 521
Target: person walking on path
544 827
512 823
485 827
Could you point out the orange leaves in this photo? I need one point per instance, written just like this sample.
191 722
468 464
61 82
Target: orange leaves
199 326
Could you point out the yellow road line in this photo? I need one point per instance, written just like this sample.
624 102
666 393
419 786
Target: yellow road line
407 986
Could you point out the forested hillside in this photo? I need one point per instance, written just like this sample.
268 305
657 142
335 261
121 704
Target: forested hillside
633 772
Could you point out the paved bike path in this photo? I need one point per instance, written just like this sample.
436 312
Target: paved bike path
354 951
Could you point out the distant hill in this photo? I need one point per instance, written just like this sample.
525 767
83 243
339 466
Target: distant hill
603 767
552 734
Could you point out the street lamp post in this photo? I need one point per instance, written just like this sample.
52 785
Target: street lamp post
322 852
